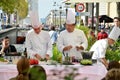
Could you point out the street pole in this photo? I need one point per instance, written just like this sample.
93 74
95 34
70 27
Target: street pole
92 15
60 16
55 17
97 15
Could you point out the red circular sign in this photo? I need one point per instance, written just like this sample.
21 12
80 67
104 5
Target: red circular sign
80 7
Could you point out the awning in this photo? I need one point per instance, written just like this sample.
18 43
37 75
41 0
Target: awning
88 1
105 18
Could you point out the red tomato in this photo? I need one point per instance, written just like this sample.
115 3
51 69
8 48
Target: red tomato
33 61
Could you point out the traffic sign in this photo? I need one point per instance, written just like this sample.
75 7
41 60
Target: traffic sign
80 7
82 13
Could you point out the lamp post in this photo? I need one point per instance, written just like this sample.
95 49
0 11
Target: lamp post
55 17
54 13
60 16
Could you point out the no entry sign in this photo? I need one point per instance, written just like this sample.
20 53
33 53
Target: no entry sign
80 7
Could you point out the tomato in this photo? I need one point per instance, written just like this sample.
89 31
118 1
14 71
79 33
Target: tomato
33 61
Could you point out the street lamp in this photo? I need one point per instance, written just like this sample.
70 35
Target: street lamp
60 16
54 13
55 17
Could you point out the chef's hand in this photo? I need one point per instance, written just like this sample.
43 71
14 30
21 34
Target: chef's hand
67 48
47 57
104 61
79 48
38 56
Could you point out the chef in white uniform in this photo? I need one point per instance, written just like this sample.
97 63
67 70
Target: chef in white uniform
72 41
38 42
100 46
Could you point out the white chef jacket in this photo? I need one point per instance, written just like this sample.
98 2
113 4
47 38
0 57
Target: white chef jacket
75 38
99 48
38 43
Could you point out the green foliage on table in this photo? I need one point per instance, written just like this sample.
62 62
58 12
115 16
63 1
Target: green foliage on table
113 53
57 55
1 59
86 62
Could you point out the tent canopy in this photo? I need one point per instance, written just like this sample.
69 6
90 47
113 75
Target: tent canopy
105 18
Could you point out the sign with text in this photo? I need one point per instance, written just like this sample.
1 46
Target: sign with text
82 13
80 7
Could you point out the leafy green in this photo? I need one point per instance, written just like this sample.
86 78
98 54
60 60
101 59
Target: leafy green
57 55
113 53
2 59
86 62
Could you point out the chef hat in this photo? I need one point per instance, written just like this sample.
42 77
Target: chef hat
115 33
34 19
70 16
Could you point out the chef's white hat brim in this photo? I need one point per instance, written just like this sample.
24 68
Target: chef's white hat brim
70 16
115 33
34 17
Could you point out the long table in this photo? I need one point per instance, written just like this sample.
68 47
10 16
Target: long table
58 72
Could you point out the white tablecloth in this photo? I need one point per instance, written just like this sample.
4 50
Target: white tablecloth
57 72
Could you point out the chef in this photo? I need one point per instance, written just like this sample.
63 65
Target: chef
100 46
72 41
38 42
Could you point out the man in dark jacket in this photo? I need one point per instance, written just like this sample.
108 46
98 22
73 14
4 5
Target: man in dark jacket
6 48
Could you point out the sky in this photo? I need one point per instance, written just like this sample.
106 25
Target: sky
46 5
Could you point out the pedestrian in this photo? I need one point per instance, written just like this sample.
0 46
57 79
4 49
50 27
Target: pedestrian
38 41
102 34
53 35
72 41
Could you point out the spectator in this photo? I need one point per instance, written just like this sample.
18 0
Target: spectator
7 48
102 34
23 68
113 74
113 64
37 73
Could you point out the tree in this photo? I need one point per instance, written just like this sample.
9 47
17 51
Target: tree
8 6
22 8
118 8
11 6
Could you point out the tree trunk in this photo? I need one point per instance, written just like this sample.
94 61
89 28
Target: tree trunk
118 8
